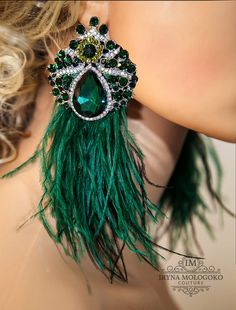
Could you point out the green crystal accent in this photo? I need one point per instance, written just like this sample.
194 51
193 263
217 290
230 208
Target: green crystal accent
94 21
59 82
131 68
55 91
61 54
89 97
103 29
73 44
89 50
127 94
123 81
52 68
112 63
65 96
117 95
80 29
76 61
110 45
68 60
123 54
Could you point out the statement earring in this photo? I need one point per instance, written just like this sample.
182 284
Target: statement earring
92 171
94 76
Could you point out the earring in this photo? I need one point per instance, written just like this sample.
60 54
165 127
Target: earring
93 175
94 75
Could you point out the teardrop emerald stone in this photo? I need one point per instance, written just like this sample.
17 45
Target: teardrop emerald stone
89 97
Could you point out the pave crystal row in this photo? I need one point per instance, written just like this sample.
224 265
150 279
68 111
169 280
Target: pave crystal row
94 75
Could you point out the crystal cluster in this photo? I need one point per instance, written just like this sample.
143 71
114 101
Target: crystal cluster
94 75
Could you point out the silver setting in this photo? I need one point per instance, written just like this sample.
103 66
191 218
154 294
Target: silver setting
106 87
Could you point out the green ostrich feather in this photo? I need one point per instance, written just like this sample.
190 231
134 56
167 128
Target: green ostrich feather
93 182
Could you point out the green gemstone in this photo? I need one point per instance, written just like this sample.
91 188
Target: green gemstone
127 94
110 45
103 29
61 54
89 97
123 65
68 60
89 50
52 83
123 54
59 82
59 100
76 61
131 68
65 96
113 62
59 65
55 91
73 44
80 29
123 102
132 84
123 81
115 87
117 95
94 21
52 68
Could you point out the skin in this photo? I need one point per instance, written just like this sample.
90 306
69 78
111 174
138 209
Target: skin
185 53
186 66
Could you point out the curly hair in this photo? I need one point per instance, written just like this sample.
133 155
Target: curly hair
28 30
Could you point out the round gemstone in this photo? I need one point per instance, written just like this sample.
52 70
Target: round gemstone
55 91
89 50
117 95
76 61
89 97
123 81
73 44
110 45
131 68
112 62
61 54
59 65
103 29
105 51
65 96
59 82
94 21
80 29
68 60
52 83
124 54
127 94
51 68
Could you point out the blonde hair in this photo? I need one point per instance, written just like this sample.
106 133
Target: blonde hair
28 31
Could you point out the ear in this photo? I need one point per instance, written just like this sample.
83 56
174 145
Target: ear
95 8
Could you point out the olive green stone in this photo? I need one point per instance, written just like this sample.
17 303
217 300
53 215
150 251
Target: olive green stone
89 97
